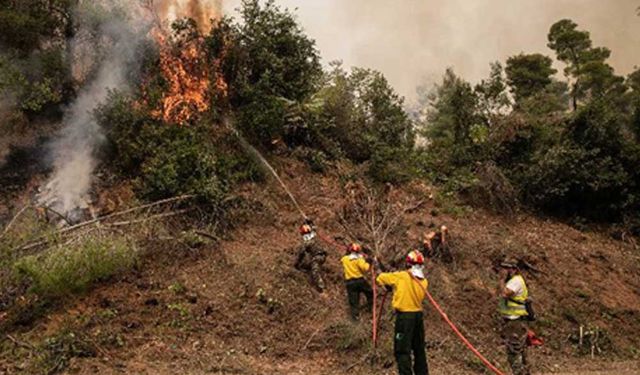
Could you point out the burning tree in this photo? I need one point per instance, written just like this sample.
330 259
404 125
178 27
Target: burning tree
184 62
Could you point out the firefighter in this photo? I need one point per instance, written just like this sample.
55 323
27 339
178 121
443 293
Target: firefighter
355 268
436 244
311 256
409 289
514 295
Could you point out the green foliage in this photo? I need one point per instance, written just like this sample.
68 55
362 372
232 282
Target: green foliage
182 165
529 75
363 118
168 160
492 97
74 268
56 352
452 118
277 90
34 72
581 164
34 84
586 64
266 60
25 24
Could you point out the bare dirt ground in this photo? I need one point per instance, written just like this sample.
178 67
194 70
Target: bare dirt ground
239 307
621 368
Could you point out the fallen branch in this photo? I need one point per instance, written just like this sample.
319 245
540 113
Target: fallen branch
6 229
357 363
61 216
17 342
207 235
43 240
159 216
311 338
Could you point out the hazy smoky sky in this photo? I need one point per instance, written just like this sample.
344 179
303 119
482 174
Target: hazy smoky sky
414 41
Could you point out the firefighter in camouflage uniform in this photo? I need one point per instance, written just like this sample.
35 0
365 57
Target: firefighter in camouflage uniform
311 256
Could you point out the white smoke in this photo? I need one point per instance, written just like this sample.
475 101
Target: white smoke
74 151
414 41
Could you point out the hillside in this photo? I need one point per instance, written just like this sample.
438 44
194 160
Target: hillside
144 228
239 307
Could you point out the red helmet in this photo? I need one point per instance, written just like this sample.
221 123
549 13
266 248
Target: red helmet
415 257
354 248
305 229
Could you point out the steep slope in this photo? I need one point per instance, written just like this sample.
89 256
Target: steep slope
240 307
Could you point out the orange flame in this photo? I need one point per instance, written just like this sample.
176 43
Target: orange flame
184 66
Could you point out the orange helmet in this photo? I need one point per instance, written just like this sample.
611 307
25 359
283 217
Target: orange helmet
415 257
305 229
354 248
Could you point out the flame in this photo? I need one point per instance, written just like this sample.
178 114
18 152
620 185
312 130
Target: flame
184 63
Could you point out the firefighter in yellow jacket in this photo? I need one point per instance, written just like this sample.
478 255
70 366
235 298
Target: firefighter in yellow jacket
409 289
512 307
355 270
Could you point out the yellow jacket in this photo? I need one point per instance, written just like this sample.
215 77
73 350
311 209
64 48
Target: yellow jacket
354 268
407 294
515 306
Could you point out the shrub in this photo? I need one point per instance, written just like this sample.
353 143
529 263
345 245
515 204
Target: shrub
266 61
183 164
165 160
56 352
72 269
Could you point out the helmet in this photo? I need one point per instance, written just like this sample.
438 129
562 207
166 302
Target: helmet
354 248
415 257
305 229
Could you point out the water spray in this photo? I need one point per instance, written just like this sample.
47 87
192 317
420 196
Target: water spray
253 151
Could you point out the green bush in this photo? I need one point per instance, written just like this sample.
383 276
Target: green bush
266 60
577 161
183 164
71 269
392 165
165 160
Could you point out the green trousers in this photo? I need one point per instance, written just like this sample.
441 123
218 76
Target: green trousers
514 333
409 338
311 256
355 288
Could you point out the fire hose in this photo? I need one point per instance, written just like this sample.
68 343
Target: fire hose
461 336
455 329
374 320
375 323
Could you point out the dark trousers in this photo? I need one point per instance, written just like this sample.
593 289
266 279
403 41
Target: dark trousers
409 338
355 288
514 333
310 258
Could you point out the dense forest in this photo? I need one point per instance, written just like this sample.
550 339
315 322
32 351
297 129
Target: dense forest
564 143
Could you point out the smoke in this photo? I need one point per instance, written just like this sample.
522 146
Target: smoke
202 11
74 151
413 41
107 57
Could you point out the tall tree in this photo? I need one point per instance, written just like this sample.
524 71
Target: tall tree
586 64
493 100
451 116
529 74
267 61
